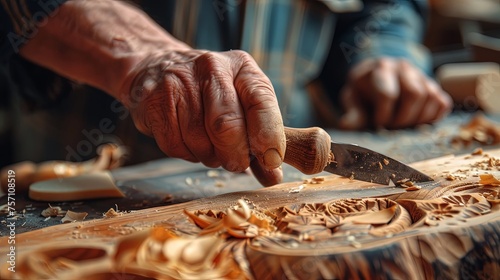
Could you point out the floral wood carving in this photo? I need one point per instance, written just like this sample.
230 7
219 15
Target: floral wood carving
451 231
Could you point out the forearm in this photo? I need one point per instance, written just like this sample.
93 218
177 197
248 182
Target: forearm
385 28
97 42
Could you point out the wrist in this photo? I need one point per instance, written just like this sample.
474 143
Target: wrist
98 43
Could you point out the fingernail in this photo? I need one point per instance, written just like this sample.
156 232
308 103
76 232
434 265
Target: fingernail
272 159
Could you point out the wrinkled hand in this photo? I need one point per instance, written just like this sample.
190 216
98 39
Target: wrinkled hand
216 108
391 93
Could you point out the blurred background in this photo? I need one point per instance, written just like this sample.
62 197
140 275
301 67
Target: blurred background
463 37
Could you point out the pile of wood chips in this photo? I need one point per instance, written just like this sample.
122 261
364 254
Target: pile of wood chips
479 129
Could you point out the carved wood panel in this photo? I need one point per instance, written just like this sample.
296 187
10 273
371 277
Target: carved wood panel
446 230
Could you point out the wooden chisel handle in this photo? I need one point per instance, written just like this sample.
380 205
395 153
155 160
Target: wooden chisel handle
308 149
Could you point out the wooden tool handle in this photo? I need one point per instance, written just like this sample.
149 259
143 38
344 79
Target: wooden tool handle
308 149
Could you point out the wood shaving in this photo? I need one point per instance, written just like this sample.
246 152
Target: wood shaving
479 129
52 211
404 183
413 188
331 158
489 179
240 221
314 180
213 173
219 183
318 179
297 189
490 163
112 213
477 152
455 176
71 217
409 183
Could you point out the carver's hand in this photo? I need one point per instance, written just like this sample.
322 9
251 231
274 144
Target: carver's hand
217 108
391 93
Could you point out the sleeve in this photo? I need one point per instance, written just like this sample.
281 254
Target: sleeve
392 28
19 21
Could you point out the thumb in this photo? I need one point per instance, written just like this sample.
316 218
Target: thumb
265 176
354 117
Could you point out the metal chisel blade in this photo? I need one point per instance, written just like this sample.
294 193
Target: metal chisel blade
366 165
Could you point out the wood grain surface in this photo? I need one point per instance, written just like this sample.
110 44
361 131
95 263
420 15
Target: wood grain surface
328 228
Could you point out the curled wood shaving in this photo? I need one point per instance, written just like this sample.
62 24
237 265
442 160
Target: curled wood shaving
52 211
479 129
162 254
240 221
405 183
71 217
112 213
489 179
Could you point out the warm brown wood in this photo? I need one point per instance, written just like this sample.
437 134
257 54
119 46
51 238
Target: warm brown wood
307 149
330 228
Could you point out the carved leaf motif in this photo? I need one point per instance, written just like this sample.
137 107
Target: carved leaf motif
453 209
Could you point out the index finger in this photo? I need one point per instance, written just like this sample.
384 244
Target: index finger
265 129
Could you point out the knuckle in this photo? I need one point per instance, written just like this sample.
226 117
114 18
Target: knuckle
226 126
385 97
209 64
404 64
208 57
242 55
384 63
259 97
416 94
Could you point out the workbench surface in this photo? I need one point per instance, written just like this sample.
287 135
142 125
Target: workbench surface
171 181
